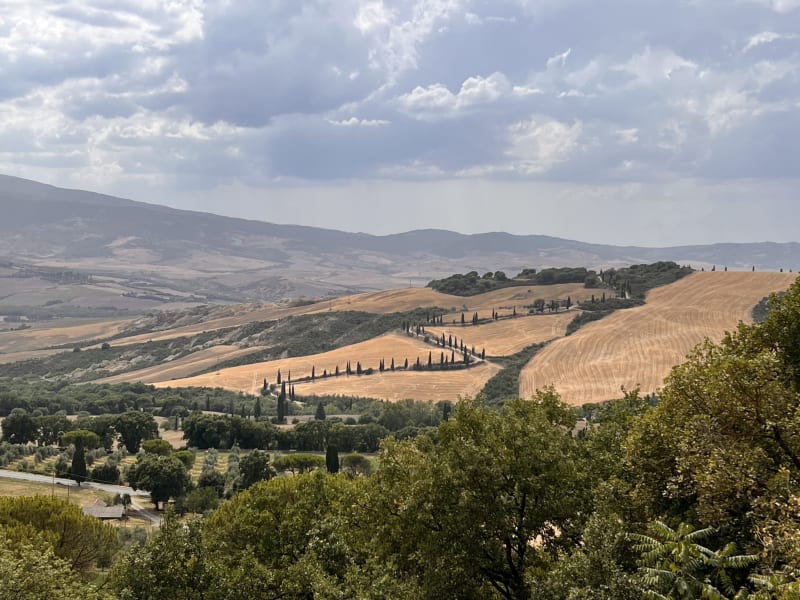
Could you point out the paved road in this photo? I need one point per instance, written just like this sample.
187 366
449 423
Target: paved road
103 487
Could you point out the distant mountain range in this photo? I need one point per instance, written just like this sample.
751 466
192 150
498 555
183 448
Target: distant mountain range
221 258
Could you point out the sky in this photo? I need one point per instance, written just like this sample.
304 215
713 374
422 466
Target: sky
648 122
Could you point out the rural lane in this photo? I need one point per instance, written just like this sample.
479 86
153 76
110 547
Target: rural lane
103 487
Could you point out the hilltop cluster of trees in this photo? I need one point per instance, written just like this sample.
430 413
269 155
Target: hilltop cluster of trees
633 281
471 284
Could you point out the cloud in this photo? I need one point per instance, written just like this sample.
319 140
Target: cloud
194 95
356 122
536 145
766 37
437 100
559 60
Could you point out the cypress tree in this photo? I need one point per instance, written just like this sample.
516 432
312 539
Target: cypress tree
483 353
279 376
358 368
257 409
313 372
405 364
282 403
392 367
320 414
332 459
430 357
453 356
336 373
441 358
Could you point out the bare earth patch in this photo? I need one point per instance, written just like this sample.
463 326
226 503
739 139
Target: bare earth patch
639 346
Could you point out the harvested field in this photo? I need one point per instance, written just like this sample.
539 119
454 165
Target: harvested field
182 367
639 346
411 298
18 356
429 386
509 336
40 337
249 378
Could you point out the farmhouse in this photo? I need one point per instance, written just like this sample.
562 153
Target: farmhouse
101 510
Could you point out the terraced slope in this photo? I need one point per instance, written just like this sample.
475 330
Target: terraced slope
639 346
509 336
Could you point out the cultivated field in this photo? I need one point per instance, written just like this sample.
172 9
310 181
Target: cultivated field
410 298
42 336
639 346
428 386
509 336
389 386
183 367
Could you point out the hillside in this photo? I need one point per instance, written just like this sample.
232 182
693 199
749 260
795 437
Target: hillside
236 347
397 385
70 253
639 346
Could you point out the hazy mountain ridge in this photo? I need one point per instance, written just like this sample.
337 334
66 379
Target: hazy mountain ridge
238 259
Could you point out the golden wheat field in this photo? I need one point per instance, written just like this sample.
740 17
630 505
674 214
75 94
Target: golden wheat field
427 386
508 336
183 367
639 346
249 378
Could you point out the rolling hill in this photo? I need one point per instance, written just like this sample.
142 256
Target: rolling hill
134 257
633 346
639 346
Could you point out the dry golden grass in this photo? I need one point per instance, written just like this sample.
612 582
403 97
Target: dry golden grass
19 356
509 336
40 336
410 298
639 346
431 385
183 367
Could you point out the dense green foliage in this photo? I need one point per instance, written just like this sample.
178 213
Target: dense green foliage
47 398
505 384
635 281
472 284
